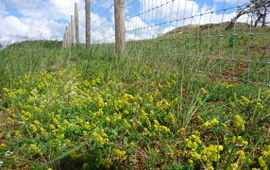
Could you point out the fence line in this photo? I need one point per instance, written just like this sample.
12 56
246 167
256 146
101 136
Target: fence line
211 33
72 30
76 14
88 23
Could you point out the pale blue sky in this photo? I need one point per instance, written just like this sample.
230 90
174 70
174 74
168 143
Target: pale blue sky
46 19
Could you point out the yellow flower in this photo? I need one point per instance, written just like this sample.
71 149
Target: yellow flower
245 100
150 98
227 85
118 153
108 119
211 153
164 129
126 124
129 97
126 112
33 127
18 133
240 141
2 146
233 166
195 156
107 163
262 163
163 104
100 137
145 130
35 148
205 125
101 102
170 118
209 125
209 168
74 155
241 155
190 161
87 125
6 92
214 122
181 130
37 123
98 113
266 153
239 122
62 136
20 92
26 114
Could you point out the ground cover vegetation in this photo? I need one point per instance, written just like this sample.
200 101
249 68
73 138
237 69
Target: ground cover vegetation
88 109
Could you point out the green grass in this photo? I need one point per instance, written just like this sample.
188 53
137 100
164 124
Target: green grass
88 109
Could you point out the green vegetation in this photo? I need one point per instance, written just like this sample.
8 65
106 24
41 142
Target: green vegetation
150 109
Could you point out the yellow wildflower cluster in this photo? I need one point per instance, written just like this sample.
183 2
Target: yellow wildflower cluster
106 163
238 140
163 104
170 118
160 128
100 136
211 153
35 149
119 154
210 124
227 85
193 141
200 152
264 160
60 113
265 94
239 123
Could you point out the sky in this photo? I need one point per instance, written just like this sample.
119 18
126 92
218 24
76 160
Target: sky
144 19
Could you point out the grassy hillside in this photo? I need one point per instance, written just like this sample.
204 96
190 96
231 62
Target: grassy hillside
151 109
239 54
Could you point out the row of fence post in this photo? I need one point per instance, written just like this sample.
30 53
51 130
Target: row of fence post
87 23
119 13
68 40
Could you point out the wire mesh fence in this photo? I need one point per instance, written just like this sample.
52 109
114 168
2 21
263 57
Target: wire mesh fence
227 39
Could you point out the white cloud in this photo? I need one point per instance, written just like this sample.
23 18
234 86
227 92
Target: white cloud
17 29
47 19
137 29
37 20
53 9
232 1
165 15
12 28
102 29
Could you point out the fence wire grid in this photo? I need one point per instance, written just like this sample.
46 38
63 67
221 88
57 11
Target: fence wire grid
200 30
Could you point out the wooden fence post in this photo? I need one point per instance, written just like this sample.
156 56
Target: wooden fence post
119 12
72 30
69 36
76 23
87 23
66 37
